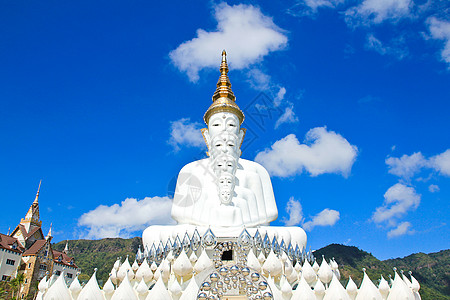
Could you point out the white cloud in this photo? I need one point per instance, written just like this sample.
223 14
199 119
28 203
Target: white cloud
121 220
280 96
377 11
187 133
440 29
375 44
327 217
295 211
315 4
243 30
401 229
398 200
287 117
433 188
407 165
312 6
441 162
258 79
324 152
397 48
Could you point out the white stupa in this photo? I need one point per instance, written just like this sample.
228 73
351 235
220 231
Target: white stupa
223 246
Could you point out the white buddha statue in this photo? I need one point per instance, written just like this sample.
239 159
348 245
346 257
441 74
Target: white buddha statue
200 197
223 192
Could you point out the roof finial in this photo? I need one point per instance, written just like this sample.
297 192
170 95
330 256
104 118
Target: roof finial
223 98
37 194
66 248
223 89
49 234
224 65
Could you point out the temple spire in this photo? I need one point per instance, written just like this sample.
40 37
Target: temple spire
66 248
223 89
49 234
32 216
223 98
37 194
224 65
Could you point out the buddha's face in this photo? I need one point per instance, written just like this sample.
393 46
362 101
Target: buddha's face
224 163
224 124
225 196
226 181
225 142
221 122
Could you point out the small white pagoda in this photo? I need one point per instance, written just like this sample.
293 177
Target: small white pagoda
223 246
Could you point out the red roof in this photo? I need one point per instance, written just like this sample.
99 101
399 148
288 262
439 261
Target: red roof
65 259
7 242
35 248
32 231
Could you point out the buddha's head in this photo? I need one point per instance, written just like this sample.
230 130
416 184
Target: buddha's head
223 134
225 142
224 163
226 183
225 196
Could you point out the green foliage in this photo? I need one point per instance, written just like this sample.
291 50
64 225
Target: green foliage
431 270
100 254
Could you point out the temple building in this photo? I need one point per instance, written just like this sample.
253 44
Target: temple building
27 251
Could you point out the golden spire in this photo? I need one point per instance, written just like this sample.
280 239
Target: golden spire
37 194
223 98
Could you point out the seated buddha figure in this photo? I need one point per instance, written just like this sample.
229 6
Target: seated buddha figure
224 190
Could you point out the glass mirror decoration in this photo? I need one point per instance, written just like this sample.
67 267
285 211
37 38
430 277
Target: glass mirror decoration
209 239
267 246
177 246
291 252
160 252
245 239
283 247
195 241
257 241
186 243
275 246
168 246
152 253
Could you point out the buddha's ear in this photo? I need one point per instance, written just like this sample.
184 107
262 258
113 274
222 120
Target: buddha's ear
206 138
241 136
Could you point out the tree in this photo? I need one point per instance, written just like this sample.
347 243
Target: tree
2 292
16 283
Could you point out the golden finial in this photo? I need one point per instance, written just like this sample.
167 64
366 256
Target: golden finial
37 194
223 98
224 65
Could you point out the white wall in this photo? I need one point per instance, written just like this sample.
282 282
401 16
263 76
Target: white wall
65 270
6 269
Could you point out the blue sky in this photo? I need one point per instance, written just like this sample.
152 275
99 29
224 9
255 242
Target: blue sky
103 101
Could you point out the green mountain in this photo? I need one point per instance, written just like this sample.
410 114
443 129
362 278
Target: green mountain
100 254
431 270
